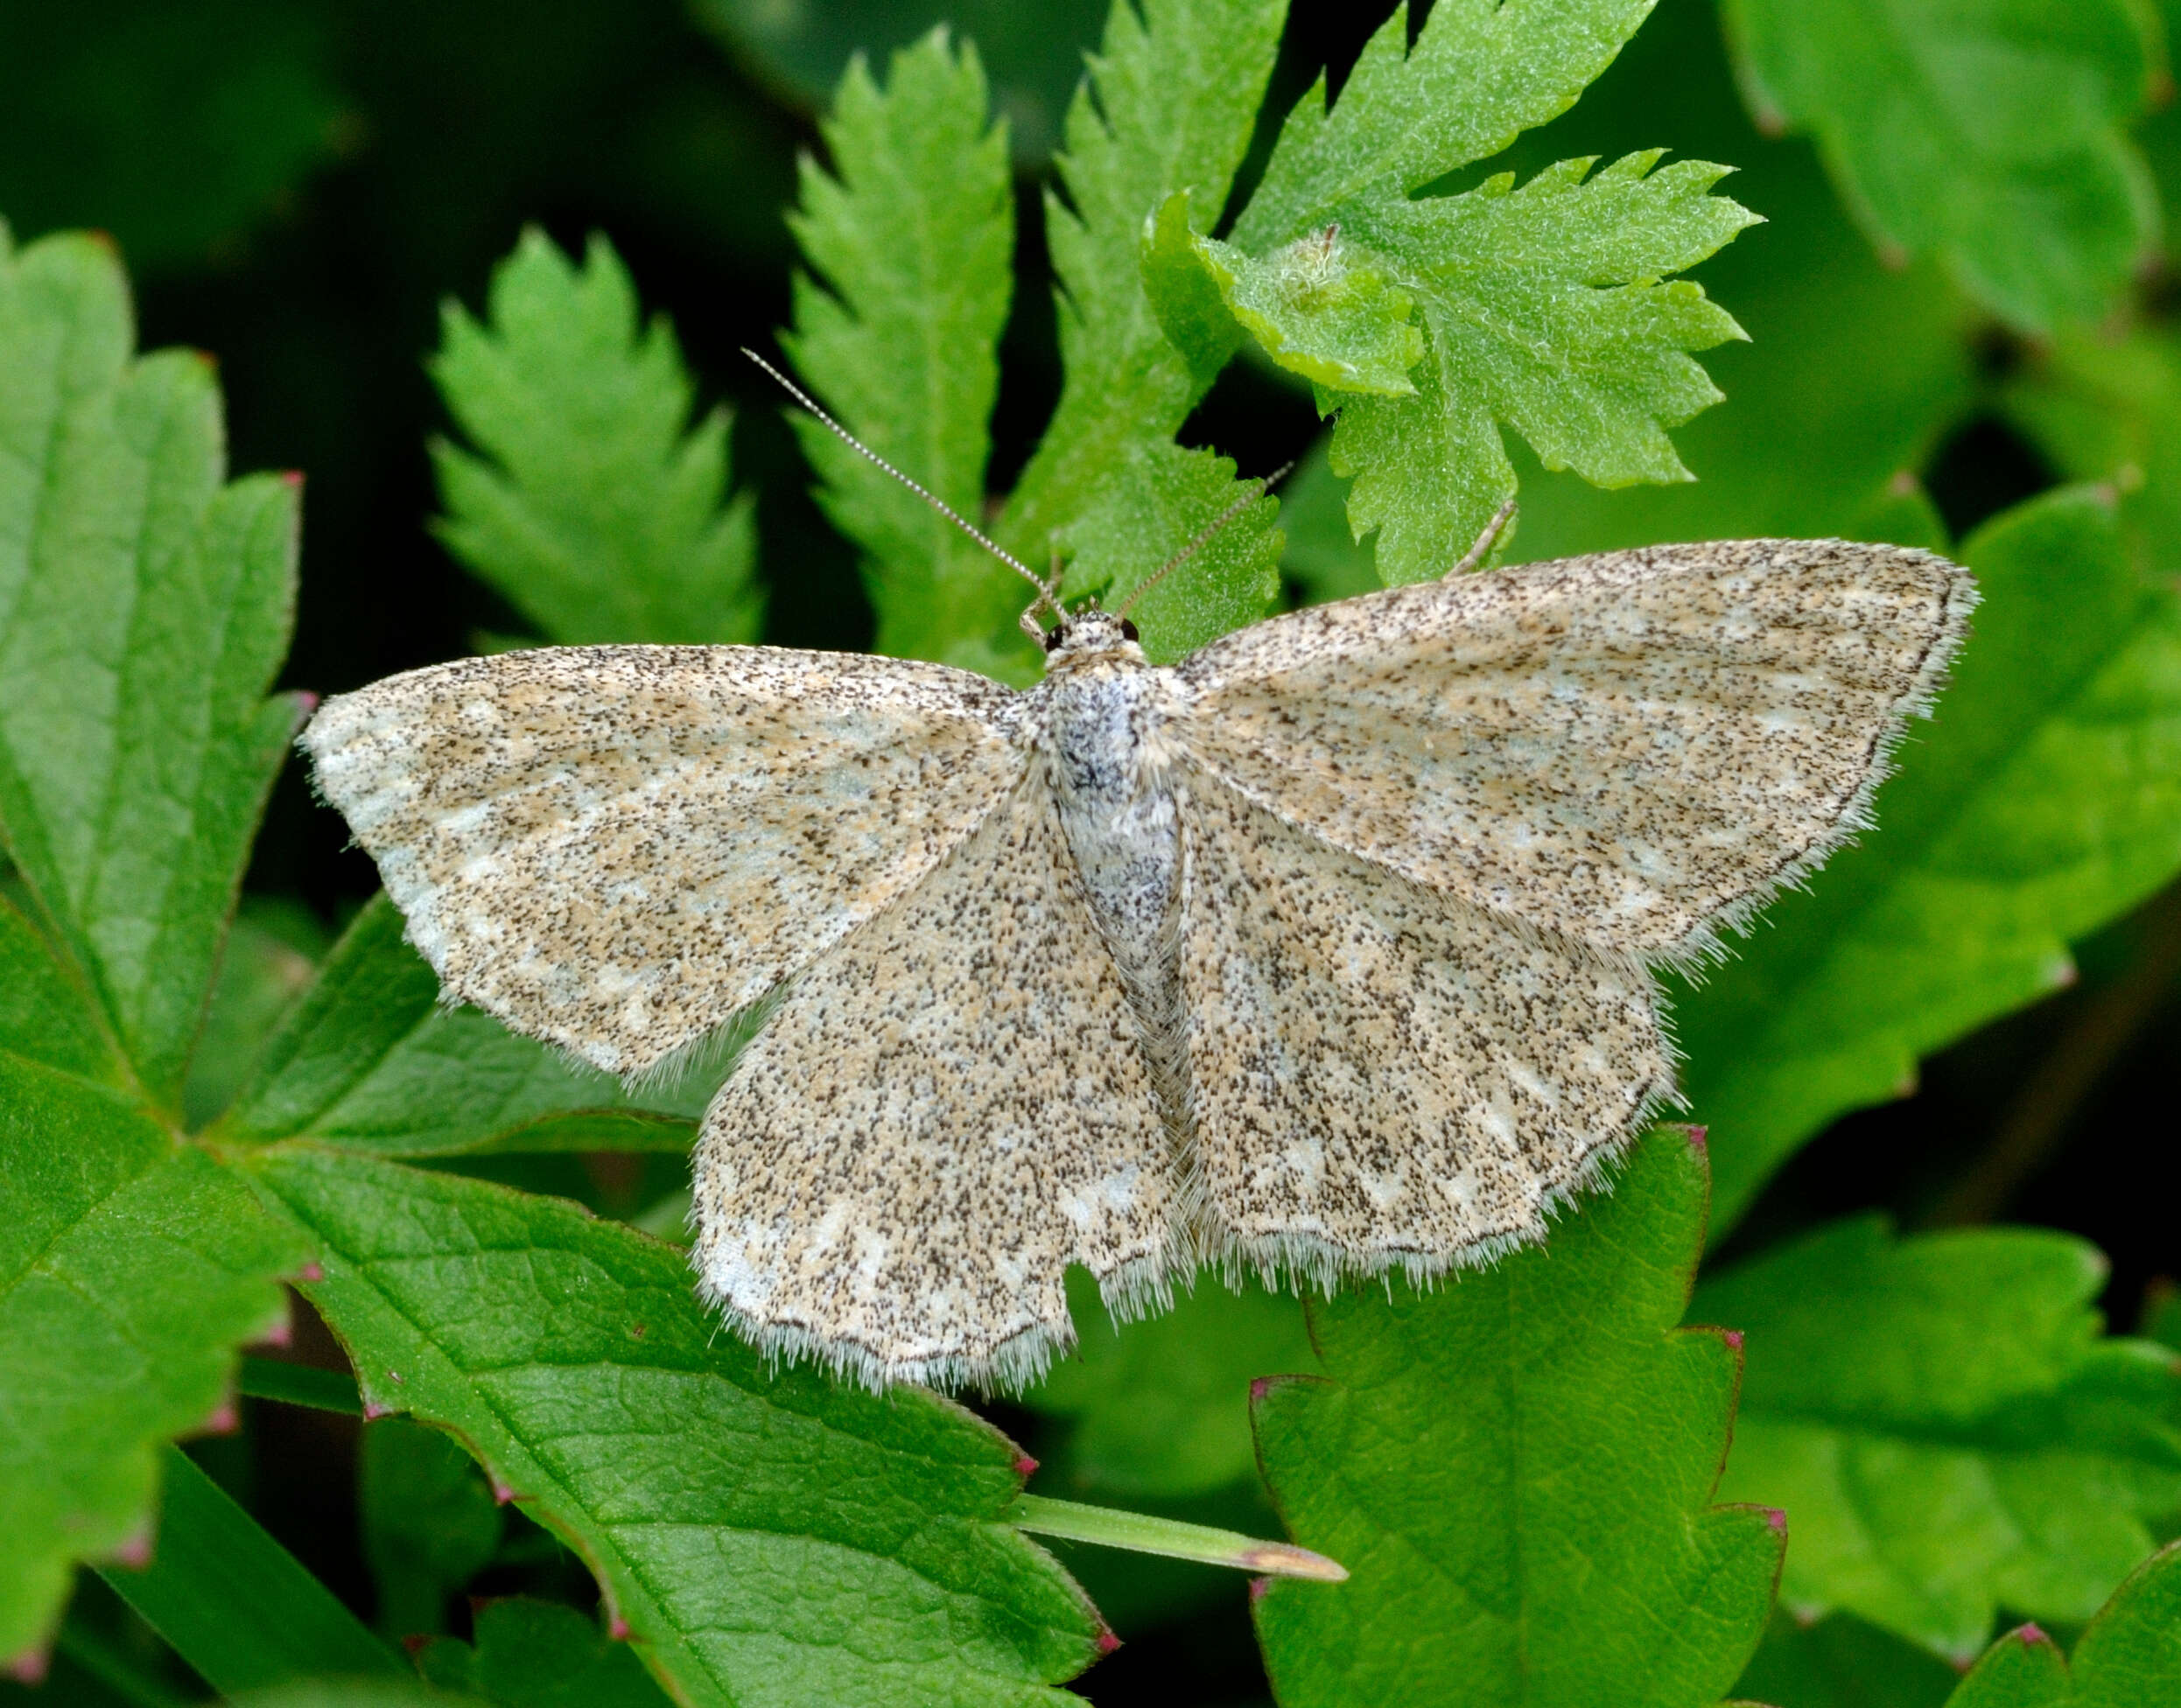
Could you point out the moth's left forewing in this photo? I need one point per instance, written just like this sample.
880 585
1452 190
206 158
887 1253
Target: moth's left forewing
1627 749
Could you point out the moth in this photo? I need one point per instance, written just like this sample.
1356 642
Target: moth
1326 952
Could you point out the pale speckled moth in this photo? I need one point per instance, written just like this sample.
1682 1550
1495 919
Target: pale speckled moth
1324 952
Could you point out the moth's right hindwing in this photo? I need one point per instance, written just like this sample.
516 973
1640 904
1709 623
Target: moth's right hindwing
616 848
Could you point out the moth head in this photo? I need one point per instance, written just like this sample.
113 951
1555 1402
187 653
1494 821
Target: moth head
1082 636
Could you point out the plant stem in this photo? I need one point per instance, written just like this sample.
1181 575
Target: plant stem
1108 1527
299 1384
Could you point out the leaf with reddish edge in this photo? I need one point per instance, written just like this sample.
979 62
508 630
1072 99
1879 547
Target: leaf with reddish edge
1527 1449
762 1536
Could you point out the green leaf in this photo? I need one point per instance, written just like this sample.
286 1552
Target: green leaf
1321 307
1161 1407
912 234
1160 504
532 1654
1988 134
144 609
2129 1657
1943 1426
45 1015
270 959
1542 308
1323 558
429 1520
1843 1662
177 128
369 1060
233 1603
591 510
1167 110
131 1266
2044 800
765 1537
1516 1470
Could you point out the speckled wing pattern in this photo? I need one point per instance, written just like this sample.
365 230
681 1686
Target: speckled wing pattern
1438 836
617 848
1630 750
1386 1077
944 1113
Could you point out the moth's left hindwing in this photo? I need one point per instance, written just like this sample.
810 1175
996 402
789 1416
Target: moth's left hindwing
616 848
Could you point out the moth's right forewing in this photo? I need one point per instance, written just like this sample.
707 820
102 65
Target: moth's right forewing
616 848
1627 749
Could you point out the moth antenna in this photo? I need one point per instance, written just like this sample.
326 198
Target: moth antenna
1205 538
1490 537
1046 594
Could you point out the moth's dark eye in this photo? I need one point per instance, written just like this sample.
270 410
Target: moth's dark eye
1052 637
1128 630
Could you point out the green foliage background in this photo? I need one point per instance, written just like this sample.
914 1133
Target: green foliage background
1821 1405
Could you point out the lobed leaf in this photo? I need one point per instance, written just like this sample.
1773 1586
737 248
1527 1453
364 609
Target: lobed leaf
2044 800
912 235
591 510
762 1537
143 610
1944 1427
1431 321
1167 111
131 1266
2129 1655
369 1060
1518 1471
1989 135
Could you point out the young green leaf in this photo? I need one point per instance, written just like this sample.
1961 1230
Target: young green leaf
233 1602
1539 308
1161 1407
1516 1469
144 609
911 236
532 1654
1989 135
369 1060
1167 111
763 1537
2130 1656
591 510
1944 1427
131 1266
428 1521
2044 800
